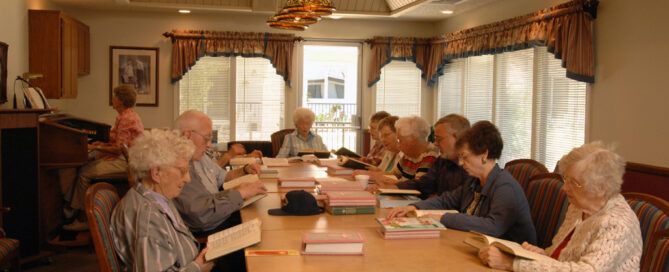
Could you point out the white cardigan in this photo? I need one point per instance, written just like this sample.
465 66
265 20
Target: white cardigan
609 240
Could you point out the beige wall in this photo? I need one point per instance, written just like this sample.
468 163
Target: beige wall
628 101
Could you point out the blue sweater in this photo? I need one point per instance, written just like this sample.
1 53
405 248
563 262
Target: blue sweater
503 210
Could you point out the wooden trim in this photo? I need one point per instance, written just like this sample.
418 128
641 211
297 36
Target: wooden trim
647 169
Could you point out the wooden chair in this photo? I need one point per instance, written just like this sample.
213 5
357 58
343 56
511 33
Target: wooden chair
9 250
101 198
277 139
548 205
653 214
524 169
264 146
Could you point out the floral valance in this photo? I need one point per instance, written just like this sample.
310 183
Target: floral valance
189 45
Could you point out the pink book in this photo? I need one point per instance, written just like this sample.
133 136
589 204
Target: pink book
297 182
350 195
332 243
337 185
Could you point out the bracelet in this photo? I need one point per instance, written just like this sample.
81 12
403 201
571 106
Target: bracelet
244 169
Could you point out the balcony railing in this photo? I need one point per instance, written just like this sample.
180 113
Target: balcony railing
334 124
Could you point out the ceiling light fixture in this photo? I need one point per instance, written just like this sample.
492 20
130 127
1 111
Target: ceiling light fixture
184 11
298 14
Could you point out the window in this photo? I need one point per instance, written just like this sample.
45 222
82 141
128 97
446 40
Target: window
398 89
246 88
315 88
539 112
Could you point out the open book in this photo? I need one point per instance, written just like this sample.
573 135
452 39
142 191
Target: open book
354 164
479 240
324 154
346 152
233 239
419 213
243 179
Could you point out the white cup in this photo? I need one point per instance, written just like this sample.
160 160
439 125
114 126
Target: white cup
363 180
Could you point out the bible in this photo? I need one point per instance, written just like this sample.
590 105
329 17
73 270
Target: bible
346 152
479 240
233 239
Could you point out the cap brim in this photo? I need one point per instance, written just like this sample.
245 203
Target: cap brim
280 212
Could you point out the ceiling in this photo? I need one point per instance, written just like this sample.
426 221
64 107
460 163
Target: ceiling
415 10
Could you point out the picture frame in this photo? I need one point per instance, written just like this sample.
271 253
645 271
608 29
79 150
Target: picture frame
137 66
3 72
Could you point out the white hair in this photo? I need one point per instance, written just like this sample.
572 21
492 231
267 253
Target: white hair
597 167
301 113
158 148
190 120
413 125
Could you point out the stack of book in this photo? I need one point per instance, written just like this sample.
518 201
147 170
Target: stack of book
332 243
291 183
410 228
268 173
337 170
390 198
330 184
350 202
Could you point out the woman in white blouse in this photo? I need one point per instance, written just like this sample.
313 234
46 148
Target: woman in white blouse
600 231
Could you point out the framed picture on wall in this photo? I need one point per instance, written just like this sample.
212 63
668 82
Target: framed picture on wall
3 72
136 66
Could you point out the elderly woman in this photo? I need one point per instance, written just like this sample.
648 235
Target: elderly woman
492 202
302 138
600 231
148 232
108 156
391 154
376 154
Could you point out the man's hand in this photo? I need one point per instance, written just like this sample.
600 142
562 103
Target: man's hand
253 168
250 189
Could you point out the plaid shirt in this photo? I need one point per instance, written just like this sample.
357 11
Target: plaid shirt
127 127
376 154
410 168
293 144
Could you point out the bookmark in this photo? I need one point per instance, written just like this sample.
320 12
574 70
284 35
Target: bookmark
250 252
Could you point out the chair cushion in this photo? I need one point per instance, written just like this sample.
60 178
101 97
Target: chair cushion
660 261
7 247
651 219
548 205
103 203
524 169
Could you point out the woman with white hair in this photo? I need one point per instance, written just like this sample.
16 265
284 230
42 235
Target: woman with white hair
148 232
302 137
600 231
417 153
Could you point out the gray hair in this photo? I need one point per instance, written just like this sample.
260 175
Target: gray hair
158 148
301 113
458 123
597 167
190 120
413 125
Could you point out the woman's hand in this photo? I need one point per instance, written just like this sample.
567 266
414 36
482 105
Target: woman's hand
200 260
496 259
533 248
400 211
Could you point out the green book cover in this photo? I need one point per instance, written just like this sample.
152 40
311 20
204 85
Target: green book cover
343 210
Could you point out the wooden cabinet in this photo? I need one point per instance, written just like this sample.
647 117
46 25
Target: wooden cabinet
59 50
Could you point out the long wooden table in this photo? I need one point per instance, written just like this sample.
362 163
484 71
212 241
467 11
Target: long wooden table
285 233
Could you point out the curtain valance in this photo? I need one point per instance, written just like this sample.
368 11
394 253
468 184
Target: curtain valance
189 45
386 49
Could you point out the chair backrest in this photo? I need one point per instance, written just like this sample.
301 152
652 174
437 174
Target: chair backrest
524 169
101 198
264 146
548 205
654 221
277 139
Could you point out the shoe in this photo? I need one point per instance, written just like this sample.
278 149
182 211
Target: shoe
76 226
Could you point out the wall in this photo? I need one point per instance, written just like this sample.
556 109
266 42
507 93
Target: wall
145 28
628 101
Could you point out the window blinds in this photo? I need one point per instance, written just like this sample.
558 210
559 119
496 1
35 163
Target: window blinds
398 90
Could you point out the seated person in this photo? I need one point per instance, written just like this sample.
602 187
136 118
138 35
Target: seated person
302 138
108 156
148 232
204 206
376 154
445 173
492 202
391 154
600 231
417 153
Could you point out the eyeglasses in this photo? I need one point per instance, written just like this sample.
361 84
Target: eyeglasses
571 182
462 156
206 138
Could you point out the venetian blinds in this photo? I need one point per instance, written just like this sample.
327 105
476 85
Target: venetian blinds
478 88
260 99
398 89
206 87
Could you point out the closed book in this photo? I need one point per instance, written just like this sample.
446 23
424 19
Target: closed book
391 201
333 243
419 213
354 164
339 170
343 151
268 173
275 162
308 182
330 185
324 154
346 210
385 191
410 227
350 198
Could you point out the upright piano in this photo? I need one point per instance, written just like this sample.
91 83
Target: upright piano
29 179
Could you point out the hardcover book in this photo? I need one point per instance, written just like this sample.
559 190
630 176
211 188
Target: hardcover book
308 182
337 170
324 154
233 239
350 198
275 162
410 224
346 210
419 213
332 184
354 164
391 201
333 243
343 151
479 240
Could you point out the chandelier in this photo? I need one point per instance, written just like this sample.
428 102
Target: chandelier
299 14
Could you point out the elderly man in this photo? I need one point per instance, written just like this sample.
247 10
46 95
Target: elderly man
204 207
445 173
